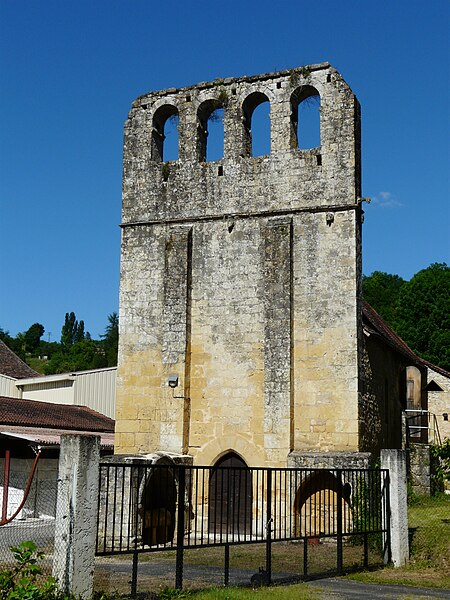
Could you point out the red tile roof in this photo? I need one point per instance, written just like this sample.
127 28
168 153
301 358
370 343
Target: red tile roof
13 366
31 413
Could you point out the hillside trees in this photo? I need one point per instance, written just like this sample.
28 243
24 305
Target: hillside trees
76 351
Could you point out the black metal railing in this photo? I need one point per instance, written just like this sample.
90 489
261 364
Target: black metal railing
150 508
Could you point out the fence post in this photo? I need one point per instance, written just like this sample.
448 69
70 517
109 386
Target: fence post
180 527
76 514
339 545
395 462
269 528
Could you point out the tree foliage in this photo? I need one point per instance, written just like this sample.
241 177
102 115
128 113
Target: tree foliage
111 339
32 337
418 310
424 314
72 331
76 351
382 290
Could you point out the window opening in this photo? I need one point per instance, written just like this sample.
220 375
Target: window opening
214 145
256 109
170 151
210 131
305 118
165 133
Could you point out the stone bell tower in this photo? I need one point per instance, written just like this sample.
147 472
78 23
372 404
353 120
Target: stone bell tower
240 277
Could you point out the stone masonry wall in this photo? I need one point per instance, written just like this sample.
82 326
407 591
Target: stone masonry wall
241 276
439 402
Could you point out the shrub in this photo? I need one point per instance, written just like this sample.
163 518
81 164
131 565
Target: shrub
440 465
22 581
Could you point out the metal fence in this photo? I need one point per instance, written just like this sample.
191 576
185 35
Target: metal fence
178 507
27 501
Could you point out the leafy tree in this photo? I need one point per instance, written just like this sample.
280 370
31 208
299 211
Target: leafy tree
15 344
80 356
424 314
71 331
32 337
4 335
79 333
111 339
382 290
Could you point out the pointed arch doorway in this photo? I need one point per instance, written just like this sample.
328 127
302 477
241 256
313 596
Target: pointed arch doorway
230 497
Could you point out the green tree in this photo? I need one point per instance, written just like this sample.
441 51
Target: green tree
424 314
111 339
382 290
15 344
71 331
80 356
32 337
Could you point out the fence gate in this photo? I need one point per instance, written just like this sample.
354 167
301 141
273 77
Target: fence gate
160 507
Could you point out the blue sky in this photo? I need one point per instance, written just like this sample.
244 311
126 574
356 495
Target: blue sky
69 72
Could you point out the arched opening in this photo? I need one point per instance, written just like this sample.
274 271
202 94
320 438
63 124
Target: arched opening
316 505
210 131
165 133
305 118
256 122
230 497
158 506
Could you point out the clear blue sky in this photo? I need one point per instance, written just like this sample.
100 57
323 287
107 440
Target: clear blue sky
69 71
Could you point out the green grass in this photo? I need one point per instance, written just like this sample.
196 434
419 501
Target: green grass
429 565
299 591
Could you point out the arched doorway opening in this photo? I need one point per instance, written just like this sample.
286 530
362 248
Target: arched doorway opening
158 506
316 505
230 497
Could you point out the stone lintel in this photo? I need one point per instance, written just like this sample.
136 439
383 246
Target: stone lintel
329 460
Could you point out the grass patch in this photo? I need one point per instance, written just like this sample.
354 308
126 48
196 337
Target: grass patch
299 591
429 565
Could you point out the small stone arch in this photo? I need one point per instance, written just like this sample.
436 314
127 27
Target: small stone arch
230 495
204 113
251 102
305 97
316 505
160 118
158 502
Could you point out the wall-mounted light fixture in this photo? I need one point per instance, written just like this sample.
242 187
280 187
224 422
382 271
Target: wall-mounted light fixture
173 380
